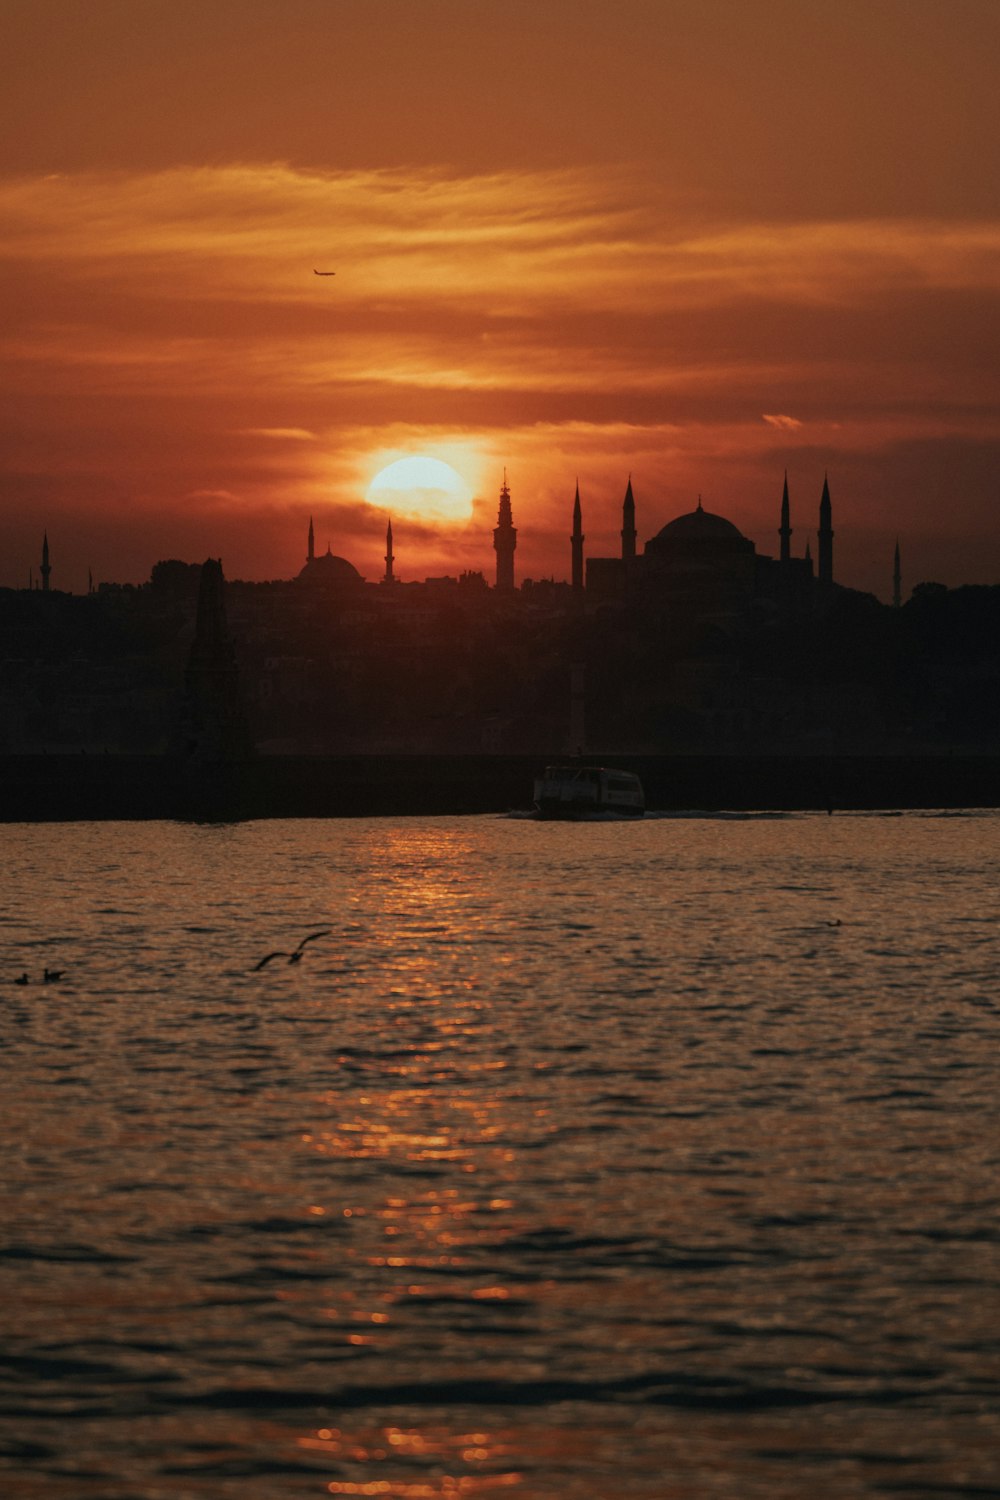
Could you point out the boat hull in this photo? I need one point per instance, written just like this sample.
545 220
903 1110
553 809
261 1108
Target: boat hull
588 793
567 813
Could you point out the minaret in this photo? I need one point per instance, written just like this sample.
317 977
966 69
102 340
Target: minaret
897 580
577 541
389 559
505 540
785 529
825 536
311 544
45 570
628 525
808 558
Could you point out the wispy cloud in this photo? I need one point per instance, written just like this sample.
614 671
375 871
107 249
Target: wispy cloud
166 332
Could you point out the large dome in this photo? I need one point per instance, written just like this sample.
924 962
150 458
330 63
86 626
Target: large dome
698 538
699 525
328 571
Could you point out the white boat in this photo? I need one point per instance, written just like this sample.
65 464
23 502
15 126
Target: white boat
588 792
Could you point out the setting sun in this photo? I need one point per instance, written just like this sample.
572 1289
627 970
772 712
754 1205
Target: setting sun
426 488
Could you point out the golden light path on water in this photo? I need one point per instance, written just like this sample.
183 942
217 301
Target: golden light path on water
647 1161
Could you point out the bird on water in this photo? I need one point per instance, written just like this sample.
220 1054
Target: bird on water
295 956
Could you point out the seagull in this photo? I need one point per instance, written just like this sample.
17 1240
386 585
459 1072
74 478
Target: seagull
295 956
324 273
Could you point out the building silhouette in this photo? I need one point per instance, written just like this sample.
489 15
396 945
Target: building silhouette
214 719
505 541
689 640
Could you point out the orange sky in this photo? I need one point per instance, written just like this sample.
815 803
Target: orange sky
698 241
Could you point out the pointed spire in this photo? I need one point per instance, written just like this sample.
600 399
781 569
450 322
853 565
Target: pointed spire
576 541
389 559
311 543
699 503
825 535
628 525
785 529
45 570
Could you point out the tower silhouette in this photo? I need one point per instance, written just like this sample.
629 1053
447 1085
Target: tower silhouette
216 727
389 559
577 542
505 540
45 570
825 535
628 524
311 543
897 579
785 529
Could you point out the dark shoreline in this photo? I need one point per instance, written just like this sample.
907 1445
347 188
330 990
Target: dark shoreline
55 788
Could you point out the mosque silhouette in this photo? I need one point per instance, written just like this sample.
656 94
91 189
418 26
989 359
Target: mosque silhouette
694 643
700 554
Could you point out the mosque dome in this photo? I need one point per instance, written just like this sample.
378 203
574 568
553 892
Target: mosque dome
699 531
329 571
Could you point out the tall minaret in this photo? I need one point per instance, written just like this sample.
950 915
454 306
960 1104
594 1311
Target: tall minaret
577 541
311 544
785 529
45 570
897 580
505 540
389 559
825 536
628 525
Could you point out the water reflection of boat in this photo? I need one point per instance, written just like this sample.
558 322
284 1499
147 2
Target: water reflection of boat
588 792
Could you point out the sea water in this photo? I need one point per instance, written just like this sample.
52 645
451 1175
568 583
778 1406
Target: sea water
631 1160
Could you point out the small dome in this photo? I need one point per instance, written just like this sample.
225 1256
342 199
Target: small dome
328 571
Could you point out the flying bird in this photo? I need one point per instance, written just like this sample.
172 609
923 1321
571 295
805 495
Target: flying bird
324 273
295 956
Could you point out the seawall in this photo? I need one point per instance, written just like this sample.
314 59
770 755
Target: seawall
103 787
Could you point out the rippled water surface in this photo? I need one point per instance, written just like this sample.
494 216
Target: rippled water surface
650 1160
